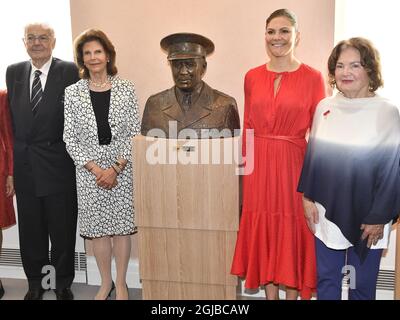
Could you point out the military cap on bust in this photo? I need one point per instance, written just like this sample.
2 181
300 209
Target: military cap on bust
186 45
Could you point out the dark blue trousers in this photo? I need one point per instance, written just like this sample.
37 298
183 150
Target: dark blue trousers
363 276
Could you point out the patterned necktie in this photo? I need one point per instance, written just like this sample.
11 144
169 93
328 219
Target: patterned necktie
37 91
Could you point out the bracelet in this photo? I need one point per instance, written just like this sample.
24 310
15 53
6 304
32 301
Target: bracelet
119 165
116 168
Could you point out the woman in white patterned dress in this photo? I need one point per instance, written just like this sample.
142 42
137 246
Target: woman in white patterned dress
101 117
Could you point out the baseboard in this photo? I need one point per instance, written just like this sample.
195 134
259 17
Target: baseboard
86 270
11 265
132 276
12 272
18 273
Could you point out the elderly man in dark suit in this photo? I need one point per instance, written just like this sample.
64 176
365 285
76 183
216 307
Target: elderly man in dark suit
44 174
191 104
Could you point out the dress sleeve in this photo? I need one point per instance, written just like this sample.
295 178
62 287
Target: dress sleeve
133 127
306 180
6 134
246 116
386 198
71 106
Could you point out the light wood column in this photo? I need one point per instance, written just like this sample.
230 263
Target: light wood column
187 216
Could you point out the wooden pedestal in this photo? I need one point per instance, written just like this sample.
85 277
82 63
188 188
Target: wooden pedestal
187 216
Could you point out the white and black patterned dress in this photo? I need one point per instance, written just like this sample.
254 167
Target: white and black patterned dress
102 212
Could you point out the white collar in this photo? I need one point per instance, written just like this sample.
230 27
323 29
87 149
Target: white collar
44 69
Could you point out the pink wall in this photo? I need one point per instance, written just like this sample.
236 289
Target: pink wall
235 26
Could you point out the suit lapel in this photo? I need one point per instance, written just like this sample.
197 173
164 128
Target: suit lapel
172 108
23 108
50 92
86 104
48 98
25 81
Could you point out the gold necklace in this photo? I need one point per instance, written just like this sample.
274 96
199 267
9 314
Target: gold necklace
99 85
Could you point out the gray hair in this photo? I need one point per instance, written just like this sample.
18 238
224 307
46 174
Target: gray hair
41 24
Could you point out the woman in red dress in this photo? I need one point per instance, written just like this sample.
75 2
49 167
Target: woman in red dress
274 245
7 216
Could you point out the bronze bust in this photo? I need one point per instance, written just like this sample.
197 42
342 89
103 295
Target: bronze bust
191 108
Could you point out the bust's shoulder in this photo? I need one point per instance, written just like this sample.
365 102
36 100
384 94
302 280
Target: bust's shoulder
161 96
221 97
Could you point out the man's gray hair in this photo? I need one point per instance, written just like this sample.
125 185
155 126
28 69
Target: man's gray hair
44 25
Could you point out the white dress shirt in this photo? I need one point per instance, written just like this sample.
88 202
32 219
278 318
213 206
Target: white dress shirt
43 77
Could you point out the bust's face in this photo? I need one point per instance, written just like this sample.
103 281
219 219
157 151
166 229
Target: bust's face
187 73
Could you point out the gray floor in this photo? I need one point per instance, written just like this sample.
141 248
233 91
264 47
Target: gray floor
15 289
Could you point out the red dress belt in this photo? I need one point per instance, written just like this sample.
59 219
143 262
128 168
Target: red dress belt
292 139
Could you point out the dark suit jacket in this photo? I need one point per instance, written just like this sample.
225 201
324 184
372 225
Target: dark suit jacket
212 110
42 165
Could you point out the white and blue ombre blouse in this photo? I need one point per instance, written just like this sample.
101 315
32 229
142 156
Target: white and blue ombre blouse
352 169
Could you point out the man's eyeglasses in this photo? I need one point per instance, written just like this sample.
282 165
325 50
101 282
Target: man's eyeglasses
30 39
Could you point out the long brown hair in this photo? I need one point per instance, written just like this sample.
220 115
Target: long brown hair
94 35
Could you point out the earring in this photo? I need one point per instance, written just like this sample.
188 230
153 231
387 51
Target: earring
370 86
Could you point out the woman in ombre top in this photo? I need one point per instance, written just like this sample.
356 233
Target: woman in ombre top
351 174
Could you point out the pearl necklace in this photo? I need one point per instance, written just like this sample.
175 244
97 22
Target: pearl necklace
99 85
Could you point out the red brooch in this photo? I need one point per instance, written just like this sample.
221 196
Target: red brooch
326 113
